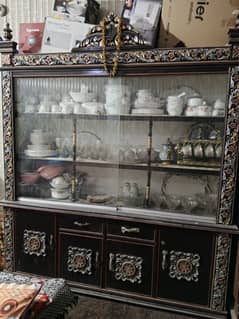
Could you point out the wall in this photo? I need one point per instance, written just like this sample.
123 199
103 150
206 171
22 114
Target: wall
36 10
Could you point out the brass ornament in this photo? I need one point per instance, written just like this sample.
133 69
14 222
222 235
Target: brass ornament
111 34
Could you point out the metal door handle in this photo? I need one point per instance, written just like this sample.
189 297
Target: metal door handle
111 259
51 242
130 230
81 224
97 259
164 259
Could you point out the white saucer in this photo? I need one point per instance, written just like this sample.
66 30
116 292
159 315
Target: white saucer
148 111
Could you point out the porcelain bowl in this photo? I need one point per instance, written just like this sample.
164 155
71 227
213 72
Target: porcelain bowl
50 171
60 194
59 182
81 97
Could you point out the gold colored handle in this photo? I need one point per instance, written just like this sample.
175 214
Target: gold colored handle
130 230
81 224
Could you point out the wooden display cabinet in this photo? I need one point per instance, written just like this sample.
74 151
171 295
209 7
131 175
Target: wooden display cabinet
111 185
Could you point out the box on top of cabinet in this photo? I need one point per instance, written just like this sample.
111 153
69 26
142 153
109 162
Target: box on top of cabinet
196 23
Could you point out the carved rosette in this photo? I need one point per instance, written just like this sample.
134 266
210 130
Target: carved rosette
79 260
8 135
128 268
229 170
221 269
184 266
235 52
34 243
8 239
128 57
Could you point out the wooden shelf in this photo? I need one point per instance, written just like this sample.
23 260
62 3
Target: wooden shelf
174 168
127 117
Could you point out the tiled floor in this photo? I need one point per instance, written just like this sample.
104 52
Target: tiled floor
92 308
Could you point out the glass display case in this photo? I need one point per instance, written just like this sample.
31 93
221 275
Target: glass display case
124 185
150 143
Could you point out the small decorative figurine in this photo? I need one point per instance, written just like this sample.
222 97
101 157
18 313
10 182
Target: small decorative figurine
236 13
7 35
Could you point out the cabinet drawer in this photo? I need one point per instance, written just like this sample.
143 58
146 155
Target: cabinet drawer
128 229
80 223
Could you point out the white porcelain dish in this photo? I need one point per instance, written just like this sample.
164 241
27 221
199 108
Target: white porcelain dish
40 153
148 111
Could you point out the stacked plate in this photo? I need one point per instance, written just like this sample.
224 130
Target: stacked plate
146 104
39 146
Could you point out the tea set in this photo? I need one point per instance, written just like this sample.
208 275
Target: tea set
204 144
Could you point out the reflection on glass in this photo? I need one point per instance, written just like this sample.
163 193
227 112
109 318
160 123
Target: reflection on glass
154 143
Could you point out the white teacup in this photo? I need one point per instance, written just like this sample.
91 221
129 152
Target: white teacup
44 108
55 108
77 108
66 108
174 105
29 108
204 110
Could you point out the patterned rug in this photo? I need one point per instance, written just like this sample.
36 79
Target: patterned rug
94 308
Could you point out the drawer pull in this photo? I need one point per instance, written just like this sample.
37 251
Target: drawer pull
81 224
164 261
130 230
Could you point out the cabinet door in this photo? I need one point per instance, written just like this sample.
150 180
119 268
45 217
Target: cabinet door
35 251
185 264
80 258
129 267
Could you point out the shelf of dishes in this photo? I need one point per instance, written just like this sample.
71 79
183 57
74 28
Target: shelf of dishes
127 117
202 147
54 182
118 99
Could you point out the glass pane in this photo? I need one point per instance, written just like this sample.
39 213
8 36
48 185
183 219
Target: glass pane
185 116
63 141
143 142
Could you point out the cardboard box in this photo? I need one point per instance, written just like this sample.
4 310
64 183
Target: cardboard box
196 23
61 35
145 18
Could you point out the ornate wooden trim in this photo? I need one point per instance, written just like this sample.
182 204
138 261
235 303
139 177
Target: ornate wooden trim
221 268
8 239
235 52
125 57
8 136
229 168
